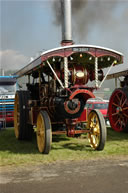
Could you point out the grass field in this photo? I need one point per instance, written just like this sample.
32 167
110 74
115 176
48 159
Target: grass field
14 152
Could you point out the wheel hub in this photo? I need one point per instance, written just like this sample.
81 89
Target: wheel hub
96 124
120 109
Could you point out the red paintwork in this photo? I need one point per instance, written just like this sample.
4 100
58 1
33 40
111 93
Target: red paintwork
66 42
86 111
118 110
81 80
104 112
69 110
95 52
86 94
83 117
71 127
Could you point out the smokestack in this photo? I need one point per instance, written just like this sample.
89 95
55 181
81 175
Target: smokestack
66 22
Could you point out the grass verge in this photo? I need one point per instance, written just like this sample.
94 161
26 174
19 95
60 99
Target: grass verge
14 152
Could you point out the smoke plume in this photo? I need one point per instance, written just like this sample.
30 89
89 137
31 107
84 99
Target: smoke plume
77 5
86 15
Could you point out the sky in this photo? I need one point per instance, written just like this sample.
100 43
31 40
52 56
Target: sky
28 27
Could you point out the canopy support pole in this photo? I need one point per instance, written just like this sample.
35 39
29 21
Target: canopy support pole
107 73
55 74
96 72
66 72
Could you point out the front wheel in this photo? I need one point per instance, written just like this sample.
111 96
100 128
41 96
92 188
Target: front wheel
97 133
44 136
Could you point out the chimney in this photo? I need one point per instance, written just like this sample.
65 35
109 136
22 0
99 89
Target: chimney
66 23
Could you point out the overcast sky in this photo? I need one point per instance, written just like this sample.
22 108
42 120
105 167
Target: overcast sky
29 26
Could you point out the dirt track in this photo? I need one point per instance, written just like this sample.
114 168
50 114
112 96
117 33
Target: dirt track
101 176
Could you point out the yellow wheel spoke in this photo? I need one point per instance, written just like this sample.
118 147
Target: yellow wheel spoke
40 133
94 126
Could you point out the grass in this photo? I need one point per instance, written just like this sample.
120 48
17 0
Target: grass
14 152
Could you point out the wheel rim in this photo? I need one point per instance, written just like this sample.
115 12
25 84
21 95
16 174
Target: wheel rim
16 116
40 133
94 126
118 110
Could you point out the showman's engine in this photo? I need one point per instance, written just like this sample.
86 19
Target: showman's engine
58 88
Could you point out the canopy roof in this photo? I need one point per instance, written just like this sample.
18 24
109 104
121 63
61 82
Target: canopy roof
78 53
118 74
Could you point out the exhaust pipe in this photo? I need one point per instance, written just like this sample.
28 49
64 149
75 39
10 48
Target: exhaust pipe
66 22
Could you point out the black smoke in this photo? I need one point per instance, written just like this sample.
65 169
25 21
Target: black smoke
87 14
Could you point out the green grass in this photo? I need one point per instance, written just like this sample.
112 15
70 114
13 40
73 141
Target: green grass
17 152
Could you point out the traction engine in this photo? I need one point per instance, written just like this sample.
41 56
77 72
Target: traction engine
57 91
60 81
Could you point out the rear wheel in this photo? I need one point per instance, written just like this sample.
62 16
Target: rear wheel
44 136
23 131
97 134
